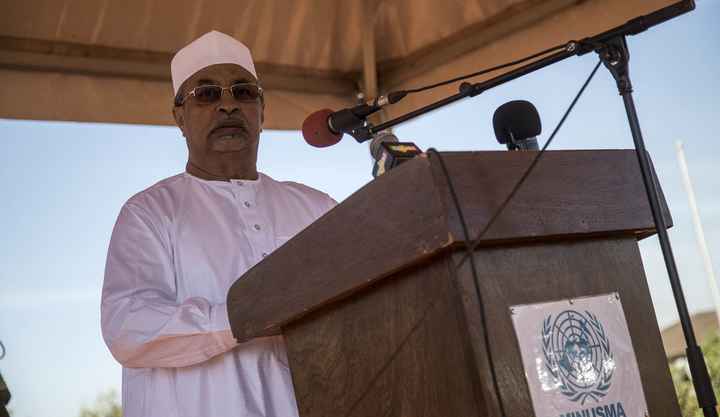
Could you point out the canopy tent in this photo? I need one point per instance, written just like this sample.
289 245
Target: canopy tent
108 60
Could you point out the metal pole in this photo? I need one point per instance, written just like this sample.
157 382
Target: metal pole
699 234
614 54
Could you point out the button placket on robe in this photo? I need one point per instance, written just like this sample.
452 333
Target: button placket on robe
243 193
257 228
236 370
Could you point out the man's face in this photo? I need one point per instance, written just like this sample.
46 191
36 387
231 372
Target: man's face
225 126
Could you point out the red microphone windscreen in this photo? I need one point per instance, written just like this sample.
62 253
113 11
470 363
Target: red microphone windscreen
316 131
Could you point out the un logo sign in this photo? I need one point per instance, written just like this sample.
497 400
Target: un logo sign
577 355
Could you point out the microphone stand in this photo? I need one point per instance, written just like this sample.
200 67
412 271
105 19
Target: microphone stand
611 46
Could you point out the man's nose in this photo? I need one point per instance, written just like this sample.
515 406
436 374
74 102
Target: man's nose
228 104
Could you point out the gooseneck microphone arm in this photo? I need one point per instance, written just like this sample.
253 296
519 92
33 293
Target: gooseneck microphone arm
611 46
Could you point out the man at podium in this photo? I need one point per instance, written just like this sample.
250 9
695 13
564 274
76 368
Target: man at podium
178 246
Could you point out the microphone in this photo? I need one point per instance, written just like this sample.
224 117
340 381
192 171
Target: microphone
516 124
388 152
317 131
326 127
379 154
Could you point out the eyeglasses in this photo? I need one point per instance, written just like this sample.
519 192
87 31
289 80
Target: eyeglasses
207 94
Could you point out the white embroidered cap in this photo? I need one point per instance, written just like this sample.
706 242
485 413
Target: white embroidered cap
209 49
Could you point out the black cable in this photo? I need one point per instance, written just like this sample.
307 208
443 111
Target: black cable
476 284
485 71
476 281
471 247
529 169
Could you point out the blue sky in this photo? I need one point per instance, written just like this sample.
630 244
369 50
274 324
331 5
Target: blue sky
64 183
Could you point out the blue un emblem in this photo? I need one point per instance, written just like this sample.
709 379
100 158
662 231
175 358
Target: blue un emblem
577 355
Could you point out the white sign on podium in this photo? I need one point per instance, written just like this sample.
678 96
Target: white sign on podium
578 358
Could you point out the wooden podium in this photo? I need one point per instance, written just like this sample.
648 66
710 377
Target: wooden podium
379 319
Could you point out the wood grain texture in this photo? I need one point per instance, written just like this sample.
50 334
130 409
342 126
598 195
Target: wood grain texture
524 274
398 348
380 321
394 221
406 216
568 193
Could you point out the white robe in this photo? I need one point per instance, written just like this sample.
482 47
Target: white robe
176 249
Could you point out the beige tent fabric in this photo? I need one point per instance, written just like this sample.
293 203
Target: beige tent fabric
319 34
108 60
58 96
583 20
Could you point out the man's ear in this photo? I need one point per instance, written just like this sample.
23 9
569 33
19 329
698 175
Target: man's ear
179 115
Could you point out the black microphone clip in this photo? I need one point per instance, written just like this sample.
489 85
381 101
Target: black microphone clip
353 121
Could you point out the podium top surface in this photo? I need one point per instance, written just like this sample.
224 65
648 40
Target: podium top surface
407 215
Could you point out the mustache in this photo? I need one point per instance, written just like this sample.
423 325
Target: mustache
236 122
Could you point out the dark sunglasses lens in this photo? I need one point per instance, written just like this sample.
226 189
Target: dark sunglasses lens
245 92
208 93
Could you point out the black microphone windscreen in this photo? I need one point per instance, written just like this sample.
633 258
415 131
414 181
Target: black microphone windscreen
519 117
